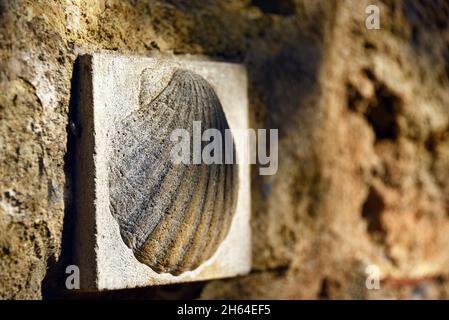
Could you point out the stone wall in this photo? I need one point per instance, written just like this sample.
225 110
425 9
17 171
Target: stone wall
363 119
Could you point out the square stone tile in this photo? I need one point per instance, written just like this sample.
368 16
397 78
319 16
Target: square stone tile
141 220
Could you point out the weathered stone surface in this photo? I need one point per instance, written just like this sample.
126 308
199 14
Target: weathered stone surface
350 191
141 218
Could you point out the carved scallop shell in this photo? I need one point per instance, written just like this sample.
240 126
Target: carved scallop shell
172 216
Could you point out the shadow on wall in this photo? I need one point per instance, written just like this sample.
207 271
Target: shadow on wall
283 65
54 280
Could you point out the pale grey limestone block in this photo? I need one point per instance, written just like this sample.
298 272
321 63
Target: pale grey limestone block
141 220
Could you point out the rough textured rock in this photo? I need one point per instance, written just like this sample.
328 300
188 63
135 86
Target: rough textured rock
363 119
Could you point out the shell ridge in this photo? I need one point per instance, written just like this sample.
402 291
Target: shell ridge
177 255
173 217
190 256
157 177
195 230
169 224
193 87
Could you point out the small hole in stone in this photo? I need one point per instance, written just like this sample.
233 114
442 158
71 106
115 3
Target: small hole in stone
324 291
369 45
431 143
382 114
354 97
372 212
281 7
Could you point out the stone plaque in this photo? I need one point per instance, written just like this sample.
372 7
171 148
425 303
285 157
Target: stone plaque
150 209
